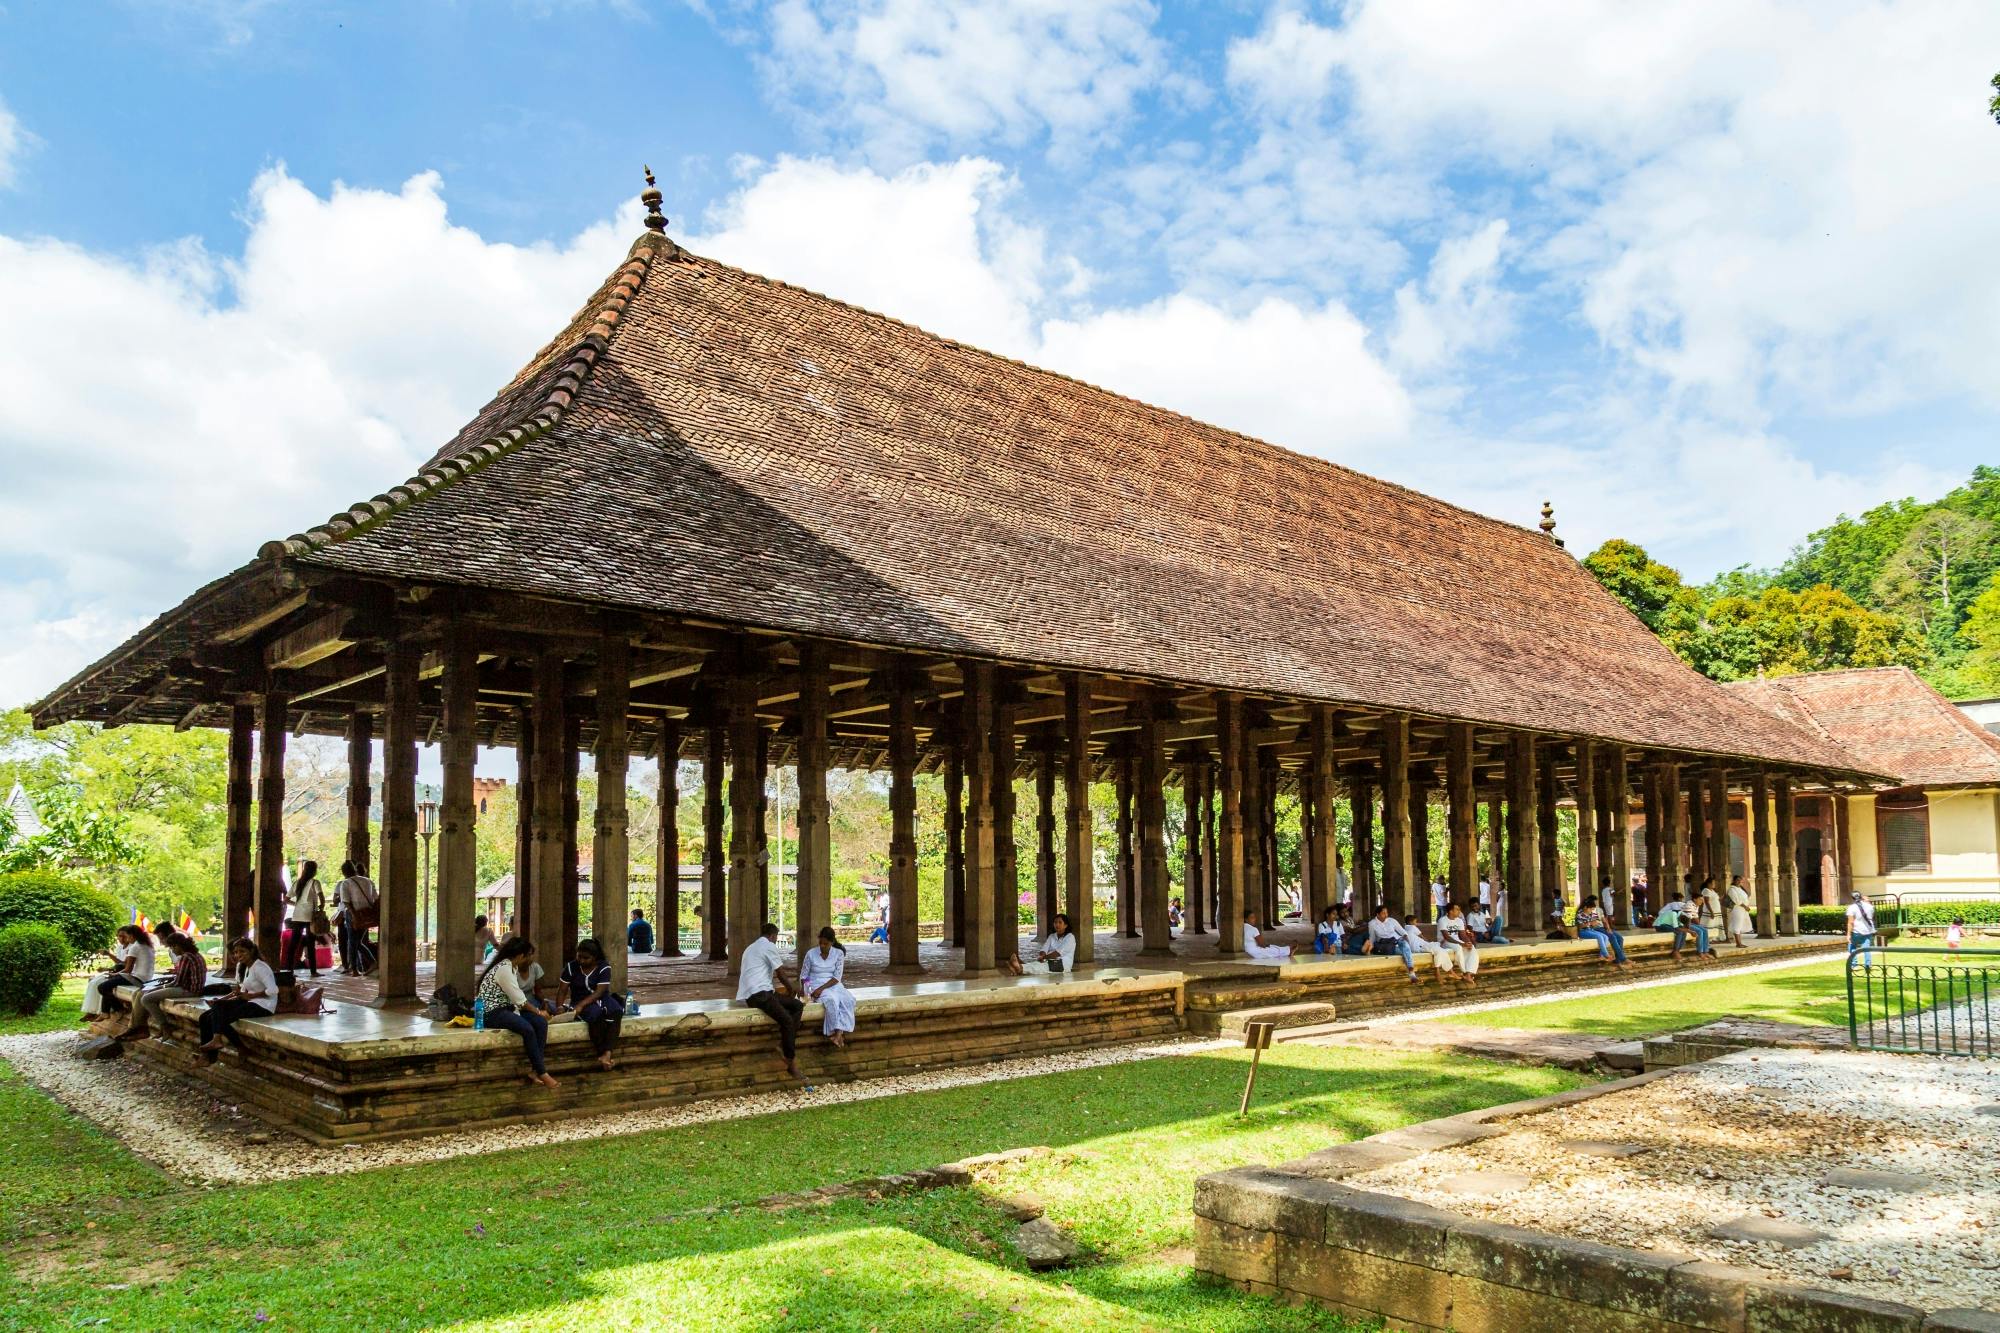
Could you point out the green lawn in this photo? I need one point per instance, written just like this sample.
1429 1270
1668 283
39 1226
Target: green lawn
605 1234
1809 993
64 1010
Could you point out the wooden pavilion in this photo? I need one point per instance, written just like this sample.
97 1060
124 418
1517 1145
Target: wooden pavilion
721 517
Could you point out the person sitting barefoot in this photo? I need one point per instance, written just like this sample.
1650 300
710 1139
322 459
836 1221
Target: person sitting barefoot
588 976
1058 951
512 1007
1254 946
1326 935
823 977
254 994
1385 935
1457 929
1445 957
189 976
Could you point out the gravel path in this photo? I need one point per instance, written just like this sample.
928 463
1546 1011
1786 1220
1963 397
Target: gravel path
1755 1135
189 1131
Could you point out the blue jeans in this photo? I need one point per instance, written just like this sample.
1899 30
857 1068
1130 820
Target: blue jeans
1858 942
534 1030
1682 931
1610 944
879 935
1403 952
1493 936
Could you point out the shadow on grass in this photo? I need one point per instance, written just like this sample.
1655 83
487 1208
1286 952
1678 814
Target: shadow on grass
576 1234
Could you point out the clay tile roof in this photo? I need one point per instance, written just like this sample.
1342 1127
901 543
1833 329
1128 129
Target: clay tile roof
1889 720
705 442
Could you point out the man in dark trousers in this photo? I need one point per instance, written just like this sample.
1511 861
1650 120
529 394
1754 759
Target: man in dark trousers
639 935
761 978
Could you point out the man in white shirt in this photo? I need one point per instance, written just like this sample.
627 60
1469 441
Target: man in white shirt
1485 892
1499 912
1386 936
1440 895
1861 928
1343 887
760 975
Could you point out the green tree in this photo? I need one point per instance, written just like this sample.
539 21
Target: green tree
1849 554
1936 561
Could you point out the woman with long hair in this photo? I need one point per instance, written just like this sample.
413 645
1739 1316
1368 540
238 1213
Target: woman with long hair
134 956
588 976
510 1007
308 910
823 977
254 995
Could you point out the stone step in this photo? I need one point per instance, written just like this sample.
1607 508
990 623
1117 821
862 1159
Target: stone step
1282 1015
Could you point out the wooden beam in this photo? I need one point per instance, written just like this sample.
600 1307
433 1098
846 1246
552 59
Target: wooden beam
314 641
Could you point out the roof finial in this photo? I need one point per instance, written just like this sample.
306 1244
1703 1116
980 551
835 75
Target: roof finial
1549 523
651 197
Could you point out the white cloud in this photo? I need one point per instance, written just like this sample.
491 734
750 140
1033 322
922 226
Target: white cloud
907 75
1287 65
1459 306
14 142
164 419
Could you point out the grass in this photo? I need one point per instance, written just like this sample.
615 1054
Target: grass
1808 993
64 1010
608 1234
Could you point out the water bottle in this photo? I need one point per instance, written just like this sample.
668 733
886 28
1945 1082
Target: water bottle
631 1006
479 1015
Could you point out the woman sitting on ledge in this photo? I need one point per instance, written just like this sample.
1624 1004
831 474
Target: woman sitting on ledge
1591 925
134 956
513 1009
823 977
253 994
1254 946
190 975
1058 951
588 976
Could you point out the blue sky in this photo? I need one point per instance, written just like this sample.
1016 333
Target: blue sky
1704 275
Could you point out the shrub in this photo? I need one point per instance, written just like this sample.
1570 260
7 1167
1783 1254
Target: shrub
1817 920
32 959
85 917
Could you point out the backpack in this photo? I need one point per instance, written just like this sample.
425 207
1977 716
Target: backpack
446 1004
304 1000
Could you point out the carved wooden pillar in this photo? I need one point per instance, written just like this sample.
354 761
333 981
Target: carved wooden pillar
239 867
1461 814
270 895
1699 845
815 854
1079 839
524 823
458 840
760 830
1788 863
902 823
542 916
714 850
977 708
396 972
1587 869
1656 859
1194 858
954 837
1319 794
1125 871
1762 826
360 747
1045 839
1527 889
667 844
1604 807
611 841
1844 848
1214 845
1267 854
1361 813
1496 845
1718 823
1253 821
1673 848
1006 851
1398 874
1420 832
572 815
1154 888
746 790
1618 786
1534 915
1229 867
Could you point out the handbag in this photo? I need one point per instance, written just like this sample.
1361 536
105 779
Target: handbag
320 925
303 1000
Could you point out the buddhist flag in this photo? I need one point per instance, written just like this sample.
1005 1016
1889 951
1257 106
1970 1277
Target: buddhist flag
187 926
140 920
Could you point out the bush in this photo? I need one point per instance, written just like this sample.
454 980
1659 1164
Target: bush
86 918
32 959
1817 920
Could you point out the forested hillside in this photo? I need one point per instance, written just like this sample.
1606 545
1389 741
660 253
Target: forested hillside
1909 582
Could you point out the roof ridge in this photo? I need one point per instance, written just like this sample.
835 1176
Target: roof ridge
538 418
1243 436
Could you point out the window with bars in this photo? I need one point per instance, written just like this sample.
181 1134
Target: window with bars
1903 832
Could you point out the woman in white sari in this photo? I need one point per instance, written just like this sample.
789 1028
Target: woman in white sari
1254 946
822 974
1740 926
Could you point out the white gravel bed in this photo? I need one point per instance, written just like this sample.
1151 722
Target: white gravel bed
188 1130
1753 1134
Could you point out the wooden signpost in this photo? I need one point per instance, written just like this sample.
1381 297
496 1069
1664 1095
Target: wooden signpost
1257 1040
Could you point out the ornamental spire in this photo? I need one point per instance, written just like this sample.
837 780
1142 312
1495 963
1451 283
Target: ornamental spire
651 198
1549 523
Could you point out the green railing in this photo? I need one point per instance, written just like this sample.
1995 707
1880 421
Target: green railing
1920 1000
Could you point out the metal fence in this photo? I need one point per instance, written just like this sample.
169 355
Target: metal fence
1922 1000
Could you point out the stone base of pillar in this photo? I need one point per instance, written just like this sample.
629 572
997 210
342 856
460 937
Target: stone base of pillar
906 969
1162 951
